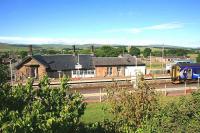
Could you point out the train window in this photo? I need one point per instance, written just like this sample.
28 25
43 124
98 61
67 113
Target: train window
197 72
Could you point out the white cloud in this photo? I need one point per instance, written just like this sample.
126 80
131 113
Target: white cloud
31 40
125 41
165 26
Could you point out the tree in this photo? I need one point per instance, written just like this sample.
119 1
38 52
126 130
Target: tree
51 51
130 109
180 116
177 52
146 52
3 74
121 50
23 54
134 51
107 51
25 109
198 58
157 53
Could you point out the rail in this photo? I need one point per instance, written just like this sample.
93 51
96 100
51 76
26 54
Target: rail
92 81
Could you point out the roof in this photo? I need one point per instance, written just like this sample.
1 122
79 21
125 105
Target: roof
68 61
126 60
183 64
61 62
177 57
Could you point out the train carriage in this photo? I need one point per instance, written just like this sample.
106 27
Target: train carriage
182 72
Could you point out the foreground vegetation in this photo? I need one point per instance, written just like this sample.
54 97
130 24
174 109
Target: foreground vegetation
25 109
96 112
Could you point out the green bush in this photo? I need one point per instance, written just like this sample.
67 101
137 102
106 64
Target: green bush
3 74
27 109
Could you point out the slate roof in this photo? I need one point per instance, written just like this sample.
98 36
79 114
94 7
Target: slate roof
125 60
68 61
61 62
188 64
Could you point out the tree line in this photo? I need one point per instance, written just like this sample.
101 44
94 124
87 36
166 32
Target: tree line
110 51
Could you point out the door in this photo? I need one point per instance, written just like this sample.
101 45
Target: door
189 73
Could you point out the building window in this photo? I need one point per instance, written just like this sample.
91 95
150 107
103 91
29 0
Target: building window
92 71
118 68
109 70
85 72
81 72
74 72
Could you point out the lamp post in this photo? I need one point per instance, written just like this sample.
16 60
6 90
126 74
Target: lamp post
150 62
78 66
11 72
136 72
162 58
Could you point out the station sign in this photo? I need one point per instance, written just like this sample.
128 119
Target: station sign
78 66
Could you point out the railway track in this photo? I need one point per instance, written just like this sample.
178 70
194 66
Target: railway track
98 81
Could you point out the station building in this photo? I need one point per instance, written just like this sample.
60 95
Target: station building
78 66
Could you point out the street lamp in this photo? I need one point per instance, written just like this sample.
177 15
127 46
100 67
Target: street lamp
162 58
150 62
11 72
136 71
78 66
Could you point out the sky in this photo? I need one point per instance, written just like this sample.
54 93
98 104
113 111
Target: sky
130 22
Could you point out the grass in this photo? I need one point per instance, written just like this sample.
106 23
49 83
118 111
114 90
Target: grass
193 56
168 99
95 113
155 66
163 100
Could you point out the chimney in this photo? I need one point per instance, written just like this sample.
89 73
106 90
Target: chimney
92 50
74 50
30 51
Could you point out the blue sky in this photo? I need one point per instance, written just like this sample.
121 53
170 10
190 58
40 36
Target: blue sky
132 22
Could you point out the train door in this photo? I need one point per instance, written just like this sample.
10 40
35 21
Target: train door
189 74
173 73
178 72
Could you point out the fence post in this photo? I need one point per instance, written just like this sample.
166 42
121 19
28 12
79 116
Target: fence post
185 88
100 96
165 89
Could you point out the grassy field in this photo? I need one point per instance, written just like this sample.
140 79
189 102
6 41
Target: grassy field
193 56
95 111
155 66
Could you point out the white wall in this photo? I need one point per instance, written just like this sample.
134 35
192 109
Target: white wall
83 74
131 70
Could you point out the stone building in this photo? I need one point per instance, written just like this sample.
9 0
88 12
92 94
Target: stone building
81 66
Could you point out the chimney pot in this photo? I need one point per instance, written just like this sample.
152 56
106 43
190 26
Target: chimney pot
30 52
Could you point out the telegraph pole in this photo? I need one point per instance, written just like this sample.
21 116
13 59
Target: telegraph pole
136 72
11 72
162 57
150 62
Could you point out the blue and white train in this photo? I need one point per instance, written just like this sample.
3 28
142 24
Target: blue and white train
182 72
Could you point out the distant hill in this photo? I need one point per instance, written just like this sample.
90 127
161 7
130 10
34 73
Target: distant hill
15 47
24 47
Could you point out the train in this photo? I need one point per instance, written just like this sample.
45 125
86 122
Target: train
185 72
169 65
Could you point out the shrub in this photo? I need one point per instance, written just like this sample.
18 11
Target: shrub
27 109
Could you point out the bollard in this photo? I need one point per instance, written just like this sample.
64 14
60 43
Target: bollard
165 92
185 91
100 96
